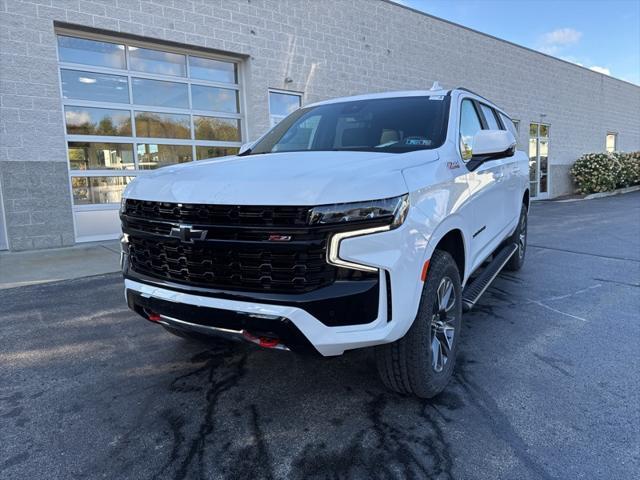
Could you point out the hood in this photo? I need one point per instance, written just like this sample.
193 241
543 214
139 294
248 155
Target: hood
287 178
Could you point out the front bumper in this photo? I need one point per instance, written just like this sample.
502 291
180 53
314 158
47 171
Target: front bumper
296 328
352 322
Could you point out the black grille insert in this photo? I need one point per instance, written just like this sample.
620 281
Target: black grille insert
236 252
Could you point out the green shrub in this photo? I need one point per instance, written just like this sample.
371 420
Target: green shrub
602 172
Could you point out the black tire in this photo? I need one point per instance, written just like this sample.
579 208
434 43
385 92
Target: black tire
519 237
408 365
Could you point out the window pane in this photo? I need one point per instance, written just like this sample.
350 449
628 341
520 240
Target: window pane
611 142
97 121
91 52
98 156
203 152
469 126
212 128
510 125
212 70
533 130
214 98
283 104
533 159
99 87
92 190
162 125
490 117
160 93
151 155
544 130
156 61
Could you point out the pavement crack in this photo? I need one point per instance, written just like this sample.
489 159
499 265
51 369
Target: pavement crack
616 282
554 363
566 250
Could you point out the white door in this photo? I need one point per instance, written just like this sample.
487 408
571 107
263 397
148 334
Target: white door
539 160
3 231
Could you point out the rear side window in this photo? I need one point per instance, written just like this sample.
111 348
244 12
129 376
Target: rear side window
490 117
506 121
469 126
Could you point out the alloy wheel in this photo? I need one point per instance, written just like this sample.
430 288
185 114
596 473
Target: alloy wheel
442 328
522 237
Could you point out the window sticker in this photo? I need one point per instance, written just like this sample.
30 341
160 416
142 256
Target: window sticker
417 141
436 97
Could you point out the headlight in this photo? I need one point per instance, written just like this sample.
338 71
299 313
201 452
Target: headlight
392 209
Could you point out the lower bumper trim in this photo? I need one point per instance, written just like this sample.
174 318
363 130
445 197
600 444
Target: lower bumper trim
221 332
220 322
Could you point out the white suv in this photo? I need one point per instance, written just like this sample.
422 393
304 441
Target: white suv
365 221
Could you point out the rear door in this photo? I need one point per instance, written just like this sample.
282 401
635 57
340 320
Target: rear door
513 175
492 121
3 231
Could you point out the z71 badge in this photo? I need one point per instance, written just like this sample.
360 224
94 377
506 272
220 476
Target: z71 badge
453 165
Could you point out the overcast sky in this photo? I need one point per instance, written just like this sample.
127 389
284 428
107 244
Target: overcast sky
601 35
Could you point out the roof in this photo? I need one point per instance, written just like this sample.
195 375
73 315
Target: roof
373 96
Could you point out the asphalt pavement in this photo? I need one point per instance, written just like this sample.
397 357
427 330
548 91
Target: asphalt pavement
547 385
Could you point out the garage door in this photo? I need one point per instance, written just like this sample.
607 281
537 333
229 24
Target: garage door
132 107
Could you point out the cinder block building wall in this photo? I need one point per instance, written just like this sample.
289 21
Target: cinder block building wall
318 49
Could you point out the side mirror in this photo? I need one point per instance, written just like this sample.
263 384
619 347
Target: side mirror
491 145
245 148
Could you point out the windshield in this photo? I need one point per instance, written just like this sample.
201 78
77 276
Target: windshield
395 125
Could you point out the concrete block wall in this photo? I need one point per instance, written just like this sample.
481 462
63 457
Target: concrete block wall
326 48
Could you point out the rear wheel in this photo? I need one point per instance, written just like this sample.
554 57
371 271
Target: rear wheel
421 363
519 237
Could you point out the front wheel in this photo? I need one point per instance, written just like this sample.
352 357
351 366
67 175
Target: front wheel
421 363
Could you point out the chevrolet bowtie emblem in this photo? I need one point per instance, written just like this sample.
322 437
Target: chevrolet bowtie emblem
187 234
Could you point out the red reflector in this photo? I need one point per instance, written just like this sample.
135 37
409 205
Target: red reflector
154 317
269 342
266 342
425 269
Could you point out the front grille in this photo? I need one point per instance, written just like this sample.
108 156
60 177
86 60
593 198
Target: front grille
281 216
235 252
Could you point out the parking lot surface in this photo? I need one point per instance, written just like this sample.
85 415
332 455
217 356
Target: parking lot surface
547 384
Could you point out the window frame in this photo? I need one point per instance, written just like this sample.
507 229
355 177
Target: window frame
300 95
132 107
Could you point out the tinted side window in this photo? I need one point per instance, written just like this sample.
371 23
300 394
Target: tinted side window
490 117
506 121
469 126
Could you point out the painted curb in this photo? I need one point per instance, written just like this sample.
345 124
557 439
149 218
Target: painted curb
591 196
635 188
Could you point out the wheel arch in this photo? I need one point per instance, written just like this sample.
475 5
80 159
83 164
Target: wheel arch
525 199
452 242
